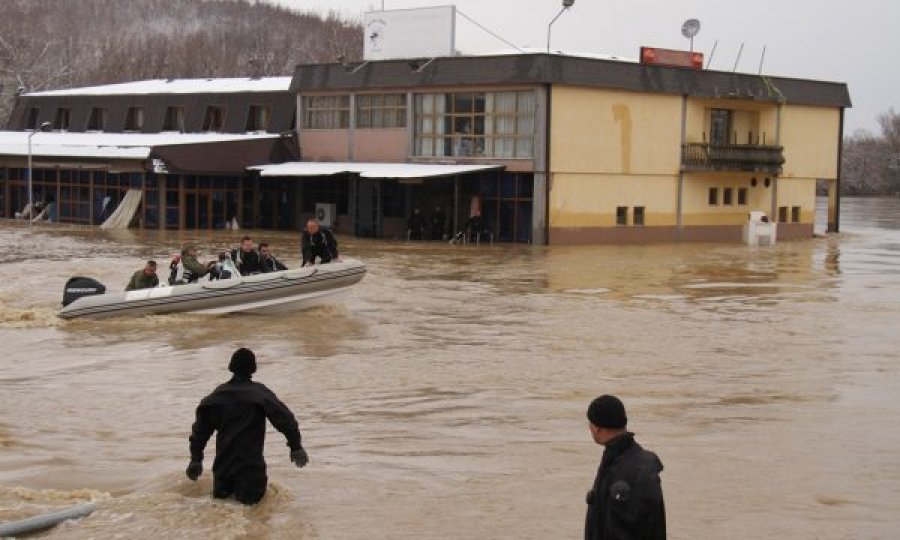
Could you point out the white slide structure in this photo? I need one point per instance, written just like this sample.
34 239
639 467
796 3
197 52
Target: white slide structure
124 213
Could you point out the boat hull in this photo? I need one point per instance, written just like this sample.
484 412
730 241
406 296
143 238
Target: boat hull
275 292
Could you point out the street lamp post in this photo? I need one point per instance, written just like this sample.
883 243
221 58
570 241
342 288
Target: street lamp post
565 5
34 132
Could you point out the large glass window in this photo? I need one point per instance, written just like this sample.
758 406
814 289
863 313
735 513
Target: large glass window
326 112
381 111
475 124
720 126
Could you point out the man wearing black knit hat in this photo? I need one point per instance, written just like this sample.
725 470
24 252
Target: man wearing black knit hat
237 411
626 501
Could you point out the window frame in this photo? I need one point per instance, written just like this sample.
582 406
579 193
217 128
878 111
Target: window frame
97 119
795 214
253 123
638 216
621 216
62 119
727 196
214 119
742 196
179 113
366 112
712 196
326 112
134 119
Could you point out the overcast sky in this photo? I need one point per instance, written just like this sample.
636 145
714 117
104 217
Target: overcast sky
856 42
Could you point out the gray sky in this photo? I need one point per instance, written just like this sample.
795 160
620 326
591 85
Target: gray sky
854 42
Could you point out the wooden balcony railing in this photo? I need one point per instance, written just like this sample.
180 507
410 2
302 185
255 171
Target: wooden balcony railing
732 157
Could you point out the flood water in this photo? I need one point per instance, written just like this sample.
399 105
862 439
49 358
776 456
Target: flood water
445 396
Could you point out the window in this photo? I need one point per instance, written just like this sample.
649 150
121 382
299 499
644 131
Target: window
381 111
638 216
713 196
134 119
258 118
174 119
782 214
795 214
61 122
742 196
32 120
726 196
214 120
621 215
481 124
326 112
97 120
720 126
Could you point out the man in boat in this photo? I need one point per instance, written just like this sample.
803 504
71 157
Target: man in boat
246 258
268 260
145 278
187 269
316 241
237 412
626 501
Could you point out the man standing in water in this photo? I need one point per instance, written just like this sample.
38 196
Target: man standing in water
626 502
238 410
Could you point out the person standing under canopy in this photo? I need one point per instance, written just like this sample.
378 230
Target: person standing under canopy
237 412
318 242
145 278
626 502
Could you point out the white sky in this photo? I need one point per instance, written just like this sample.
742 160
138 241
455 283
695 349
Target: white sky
856 42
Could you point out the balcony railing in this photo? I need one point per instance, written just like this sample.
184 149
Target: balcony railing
732 157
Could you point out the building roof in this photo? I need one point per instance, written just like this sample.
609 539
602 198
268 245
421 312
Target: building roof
108 145
176 86
532 69
369 170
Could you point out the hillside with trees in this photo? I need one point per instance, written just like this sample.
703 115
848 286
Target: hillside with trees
871 163
50 44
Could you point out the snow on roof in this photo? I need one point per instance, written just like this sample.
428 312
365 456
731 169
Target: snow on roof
177 86
106 145
576 54
368 170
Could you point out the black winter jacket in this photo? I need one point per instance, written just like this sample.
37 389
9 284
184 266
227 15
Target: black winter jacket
626 502
238 410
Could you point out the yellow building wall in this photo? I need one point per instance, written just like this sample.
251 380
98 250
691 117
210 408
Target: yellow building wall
605 131
590 200
798 192
696 209
809 136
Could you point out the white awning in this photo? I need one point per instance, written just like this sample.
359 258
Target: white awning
106 145
369 170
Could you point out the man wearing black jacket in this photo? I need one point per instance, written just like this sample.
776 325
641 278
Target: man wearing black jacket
237 411
626 502
246 258
318 242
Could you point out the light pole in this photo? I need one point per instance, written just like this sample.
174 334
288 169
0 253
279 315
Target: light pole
34 132
565 5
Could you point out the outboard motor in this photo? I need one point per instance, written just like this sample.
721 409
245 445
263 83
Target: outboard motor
78 286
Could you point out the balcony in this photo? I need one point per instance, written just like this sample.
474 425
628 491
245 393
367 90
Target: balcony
732 157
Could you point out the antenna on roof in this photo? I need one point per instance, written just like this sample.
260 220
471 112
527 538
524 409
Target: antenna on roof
762 59
738 59
711 54
689 29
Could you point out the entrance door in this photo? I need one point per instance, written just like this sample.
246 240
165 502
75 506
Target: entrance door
368 208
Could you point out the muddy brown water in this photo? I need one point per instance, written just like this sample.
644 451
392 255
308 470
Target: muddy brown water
444 397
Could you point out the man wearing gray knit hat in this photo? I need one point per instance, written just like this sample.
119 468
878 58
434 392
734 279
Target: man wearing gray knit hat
237 411
626 502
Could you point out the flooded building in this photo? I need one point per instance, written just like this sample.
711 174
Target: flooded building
547 148
576 149
180 147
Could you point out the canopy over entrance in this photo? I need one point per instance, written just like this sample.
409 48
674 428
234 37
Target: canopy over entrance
369 170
